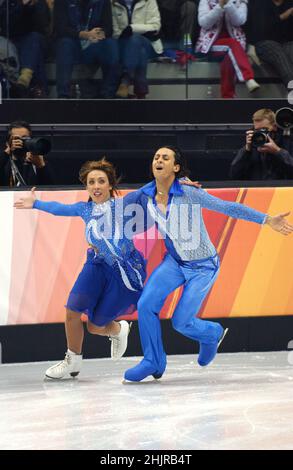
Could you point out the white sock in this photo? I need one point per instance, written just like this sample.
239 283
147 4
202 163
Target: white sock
72 353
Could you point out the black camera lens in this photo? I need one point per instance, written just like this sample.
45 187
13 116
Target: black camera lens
284 118
37 145
260 137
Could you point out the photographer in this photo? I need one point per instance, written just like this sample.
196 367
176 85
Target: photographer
19 167
264 156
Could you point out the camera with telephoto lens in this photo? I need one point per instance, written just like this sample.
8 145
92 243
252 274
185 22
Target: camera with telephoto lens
36 145
284 120
260 137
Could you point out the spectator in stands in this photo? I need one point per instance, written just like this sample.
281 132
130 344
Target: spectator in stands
270 30
84 30
18 167
266 162
137 26
28 21
178 20
9 64
221 32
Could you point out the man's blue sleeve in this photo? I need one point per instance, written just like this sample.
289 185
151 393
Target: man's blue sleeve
232 209
132 197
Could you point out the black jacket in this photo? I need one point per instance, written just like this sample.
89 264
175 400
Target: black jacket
254 165
24 19
31 175
66 23
264 23
171 18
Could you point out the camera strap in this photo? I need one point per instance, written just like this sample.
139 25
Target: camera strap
16 174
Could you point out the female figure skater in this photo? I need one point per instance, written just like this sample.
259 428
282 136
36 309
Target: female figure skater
191 260
112 278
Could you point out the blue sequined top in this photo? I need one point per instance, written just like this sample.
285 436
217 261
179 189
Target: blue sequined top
105 231
182 227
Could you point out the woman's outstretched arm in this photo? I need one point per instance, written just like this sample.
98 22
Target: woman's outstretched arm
55 208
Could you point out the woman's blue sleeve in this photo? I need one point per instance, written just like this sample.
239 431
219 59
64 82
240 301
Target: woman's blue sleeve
56 208
232 209
135 206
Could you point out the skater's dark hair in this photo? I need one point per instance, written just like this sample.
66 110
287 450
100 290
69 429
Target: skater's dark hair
179 160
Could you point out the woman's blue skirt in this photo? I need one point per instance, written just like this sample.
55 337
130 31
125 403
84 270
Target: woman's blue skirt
100 292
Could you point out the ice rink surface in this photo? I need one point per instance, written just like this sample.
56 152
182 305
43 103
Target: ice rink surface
241 401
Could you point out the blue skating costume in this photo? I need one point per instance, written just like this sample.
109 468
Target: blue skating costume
192 261
112 278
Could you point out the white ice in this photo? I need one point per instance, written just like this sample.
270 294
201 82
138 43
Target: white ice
241 401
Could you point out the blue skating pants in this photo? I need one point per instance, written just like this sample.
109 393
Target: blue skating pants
197 277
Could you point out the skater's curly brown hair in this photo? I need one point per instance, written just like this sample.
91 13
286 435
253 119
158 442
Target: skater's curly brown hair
101 165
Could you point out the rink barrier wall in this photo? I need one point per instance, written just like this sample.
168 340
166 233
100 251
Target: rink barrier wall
46 342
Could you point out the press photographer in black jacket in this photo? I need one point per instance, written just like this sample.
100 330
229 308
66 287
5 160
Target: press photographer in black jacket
19 167
257 160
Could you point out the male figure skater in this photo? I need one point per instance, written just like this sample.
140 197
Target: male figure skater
191 260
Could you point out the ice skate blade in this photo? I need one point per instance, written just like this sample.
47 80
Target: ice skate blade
74 374
223 336
157 376
71 375
147 381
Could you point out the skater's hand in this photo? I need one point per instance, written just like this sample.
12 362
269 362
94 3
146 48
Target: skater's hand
188 182
279 223
26 202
